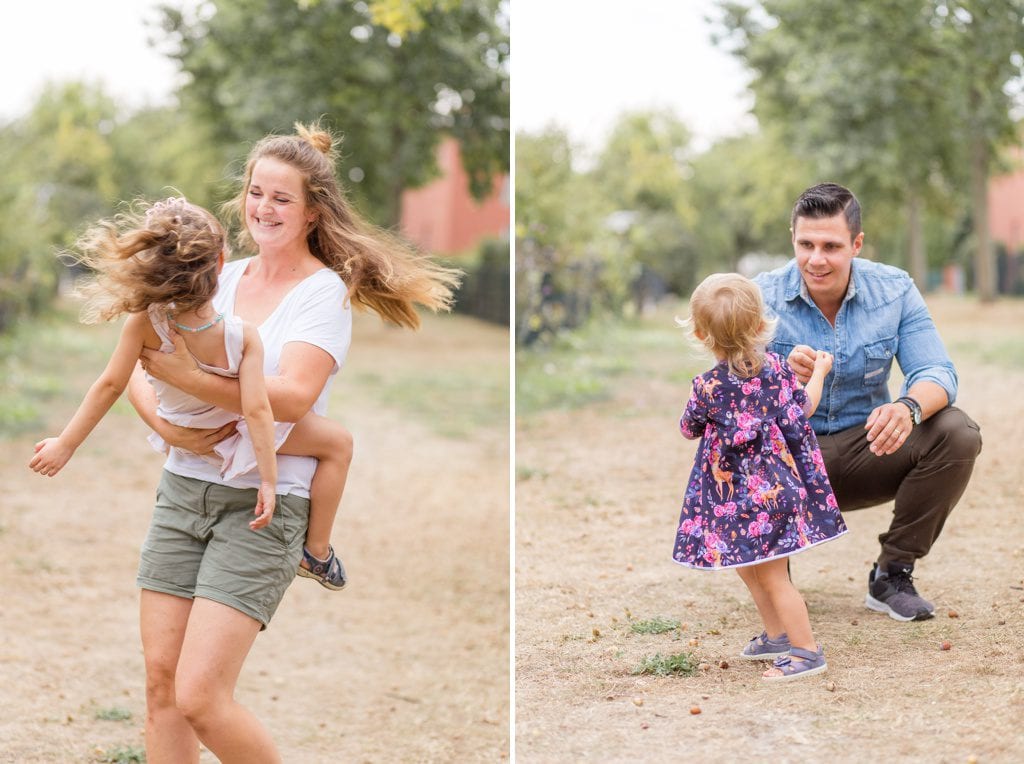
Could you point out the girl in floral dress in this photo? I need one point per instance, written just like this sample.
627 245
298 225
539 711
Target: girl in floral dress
758 491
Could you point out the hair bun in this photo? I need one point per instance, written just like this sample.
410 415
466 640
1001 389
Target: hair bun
316 137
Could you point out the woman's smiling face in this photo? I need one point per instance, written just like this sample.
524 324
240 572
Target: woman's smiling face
275 205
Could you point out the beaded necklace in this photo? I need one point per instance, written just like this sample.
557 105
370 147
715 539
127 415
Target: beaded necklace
196 330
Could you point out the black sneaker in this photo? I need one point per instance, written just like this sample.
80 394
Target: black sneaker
894 593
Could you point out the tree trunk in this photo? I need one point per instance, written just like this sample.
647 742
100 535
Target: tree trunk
918 260
984 261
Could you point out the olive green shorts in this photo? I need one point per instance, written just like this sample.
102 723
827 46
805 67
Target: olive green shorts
200 545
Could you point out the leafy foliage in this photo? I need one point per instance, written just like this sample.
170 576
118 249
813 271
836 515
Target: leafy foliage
257 66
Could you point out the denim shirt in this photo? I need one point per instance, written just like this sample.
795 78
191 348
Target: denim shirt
882 316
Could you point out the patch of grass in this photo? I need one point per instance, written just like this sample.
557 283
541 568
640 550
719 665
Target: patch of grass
45 360
455 402
1007 353
124 754
592 364
680 664
114 714
656 625
528 473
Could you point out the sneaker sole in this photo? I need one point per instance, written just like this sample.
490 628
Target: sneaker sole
327 585
762 656
880 607
798 675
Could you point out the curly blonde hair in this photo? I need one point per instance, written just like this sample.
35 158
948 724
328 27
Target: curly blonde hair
381 272
165 253
727 318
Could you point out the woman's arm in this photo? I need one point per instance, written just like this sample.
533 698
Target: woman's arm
53 453
302 374
260 421
142 396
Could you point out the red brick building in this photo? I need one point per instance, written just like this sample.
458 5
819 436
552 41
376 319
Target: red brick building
1006 206
443 218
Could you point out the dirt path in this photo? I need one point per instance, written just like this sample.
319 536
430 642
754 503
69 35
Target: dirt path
596 505
409 663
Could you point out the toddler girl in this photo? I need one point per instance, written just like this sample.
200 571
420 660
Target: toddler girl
162 271
758 491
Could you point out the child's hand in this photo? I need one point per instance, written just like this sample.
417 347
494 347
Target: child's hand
51 456
823 362
265 500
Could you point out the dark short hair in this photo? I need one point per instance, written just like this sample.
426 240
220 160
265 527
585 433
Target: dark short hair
827 200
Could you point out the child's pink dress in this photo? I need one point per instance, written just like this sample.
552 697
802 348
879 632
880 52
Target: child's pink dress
758 487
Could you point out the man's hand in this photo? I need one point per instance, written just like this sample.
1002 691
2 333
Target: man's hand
801 360
888 428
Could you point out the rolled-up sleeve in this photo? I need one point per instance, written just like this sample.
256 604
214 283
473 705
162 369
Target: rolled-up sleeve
920 353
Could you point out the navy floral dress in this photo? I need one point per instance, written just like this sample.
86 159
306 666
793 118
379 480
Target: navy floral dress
758 488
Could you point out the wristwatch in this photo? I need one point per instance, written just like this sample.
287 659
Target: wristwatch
914 406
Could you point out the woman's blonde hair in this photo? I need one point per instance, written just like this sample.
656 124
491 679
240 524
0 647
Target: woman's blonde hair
727 318
164 253
381 272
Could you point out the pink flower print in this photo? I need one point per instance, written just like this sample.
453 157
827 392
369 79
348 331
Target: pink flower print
794 413
760 525
726 510
691 527
818 460
785 392
752 386
830 501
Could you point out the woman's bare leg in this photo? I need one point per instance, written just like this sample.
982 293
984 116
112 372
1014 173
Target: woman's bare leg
217 641
162 621
331 444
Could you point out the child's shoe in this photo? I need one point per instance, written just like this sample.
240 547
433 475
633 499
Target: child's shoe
761 648
812 663
330 573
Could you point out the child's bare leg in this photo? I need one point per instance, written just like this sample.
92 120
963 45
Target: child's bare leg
331 444
788 604
769 617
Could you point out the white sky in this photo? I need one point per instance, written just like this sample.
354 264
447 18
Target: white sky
579 64
75 39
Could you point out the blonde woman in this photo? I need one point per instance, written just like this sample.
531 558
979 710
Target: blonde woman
758 491
314 260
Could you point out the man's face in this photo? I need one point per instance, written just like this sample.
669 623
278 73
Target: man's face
824 255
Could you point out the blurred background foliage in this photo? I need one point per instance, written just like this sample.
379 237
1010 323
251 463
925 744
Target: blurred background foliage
393 78
913 104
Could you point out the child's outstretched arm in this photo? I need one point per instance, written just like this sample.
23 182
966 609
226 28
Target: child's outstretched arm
815 385
53 453
260 420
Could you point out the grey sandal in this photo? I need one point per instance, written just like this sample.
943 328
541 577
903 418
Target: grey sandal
762 648
813 663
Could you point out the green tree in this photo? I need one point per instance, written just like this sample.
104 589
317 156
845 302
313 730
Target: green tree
257 66
644 170
56 171
858 87
745 187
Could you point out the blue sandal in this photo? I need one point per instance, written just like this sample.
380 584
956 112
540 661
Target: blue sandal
763 648
330 573
813 663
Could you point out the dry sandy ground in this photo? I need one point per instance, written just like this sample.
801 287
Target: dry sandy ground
409 663
597 499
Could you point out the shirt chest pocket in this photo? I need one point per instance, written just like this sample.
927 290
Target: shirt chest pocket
878 361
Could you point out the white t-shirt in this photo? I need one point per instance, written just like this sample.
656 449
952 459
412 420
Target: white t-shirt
314 312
